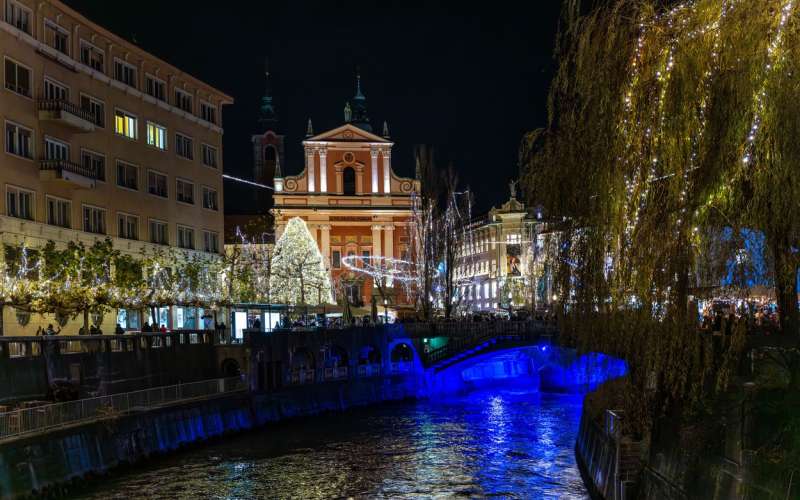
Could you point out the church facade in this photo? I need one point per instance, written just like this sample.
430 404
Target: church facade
353 202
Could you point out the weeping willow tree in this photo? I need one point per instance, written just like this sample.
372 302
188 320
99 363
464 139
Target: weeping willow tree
669 123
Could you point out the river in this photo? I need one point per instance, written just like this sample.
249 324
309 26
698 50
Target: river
502 443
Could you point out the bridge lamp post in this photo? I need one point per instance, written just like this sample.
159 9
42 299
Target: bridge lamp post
385 312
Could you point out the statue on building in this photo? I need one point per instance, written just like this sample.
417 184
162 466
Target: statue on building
348 113
512 186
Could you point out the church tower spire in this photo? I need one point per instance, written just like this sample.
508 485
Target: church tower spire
356 109
267 115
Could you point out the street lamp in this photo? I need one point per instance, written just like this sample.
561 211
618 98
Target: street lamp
385 312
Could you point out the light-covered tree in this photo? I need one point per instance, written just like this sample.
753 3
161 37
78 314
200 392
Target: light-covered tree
298 270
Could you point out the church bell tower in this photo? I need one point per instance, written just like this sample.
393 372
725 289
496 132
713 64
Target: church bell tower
268 145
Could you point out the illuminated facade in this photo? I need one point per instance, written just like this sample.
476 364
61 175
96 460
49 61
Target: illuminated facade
499 259
102 139
350 197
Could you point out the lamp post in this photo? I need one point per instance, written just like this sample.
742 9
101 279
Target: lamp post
385 312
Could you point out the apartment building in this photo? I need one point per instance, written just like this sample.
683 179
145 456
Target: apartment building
101 138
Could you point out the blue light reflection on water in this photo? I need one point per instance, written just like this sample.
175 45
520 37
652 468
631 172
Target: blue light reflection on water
493 442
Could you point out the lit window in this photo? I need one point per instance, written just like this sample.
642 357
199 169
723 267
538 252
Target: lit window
156 136
125 124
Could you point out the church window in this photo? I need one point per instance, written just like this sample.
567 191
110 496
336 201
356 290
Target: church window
349 181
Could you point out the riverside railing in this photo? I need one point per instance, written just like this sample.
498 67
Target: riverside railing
43 418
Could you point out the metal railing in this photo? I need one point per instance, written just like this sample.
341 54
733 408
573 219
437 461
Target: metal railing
43 418
59 165
66 106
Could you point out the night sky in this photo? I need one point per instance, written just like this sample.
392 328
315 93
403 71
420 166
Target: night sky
469 79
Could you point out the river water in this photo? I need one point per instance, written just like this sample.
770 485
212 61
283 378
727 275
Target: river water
502 443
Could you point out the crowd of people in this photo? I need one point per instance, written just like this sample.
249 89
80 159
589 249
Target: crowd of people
719 316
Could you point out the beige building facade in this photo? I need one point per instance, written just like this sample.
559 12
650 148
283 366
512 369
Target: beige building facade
102 139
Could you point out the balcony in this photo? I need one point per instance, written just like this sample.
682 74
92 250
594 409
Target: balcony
67 172
66 113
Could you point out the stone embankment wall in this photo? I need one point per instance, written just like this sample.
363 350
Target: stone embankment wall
50 462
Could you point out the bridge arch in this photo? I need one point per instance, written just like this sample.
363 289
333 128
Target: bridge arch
337 356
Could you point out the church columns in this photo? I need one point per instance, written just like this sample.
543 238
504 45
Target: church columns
323 170
310 169
376 240
373 153
325 240
388 250
387 171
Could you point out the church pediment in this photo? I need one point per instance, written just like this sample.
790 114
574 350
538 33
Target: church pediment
348 133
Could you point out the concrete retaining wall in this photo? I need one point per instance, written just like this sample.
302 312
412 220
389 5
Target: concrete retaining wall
51 461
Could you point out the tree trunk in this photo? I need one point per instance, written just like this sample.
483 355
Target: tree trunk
86 321
786 288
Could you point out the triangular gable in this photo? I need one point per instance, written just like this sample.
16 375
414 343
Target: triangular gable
348 133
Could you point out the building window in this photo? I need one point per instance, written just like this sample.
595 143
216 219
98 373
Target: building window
58 212
127 175
155 87
127 226
18 16
97 162
183 146
156 136
184 191
125 73
93 57
18 78
158 232
96 108
125 124
365 261
210 198
55 149
56 37
349 181
209 155
94 220
186 237
208 112
55 91
336 259
19 140
19 202
157 184
183 100
210 242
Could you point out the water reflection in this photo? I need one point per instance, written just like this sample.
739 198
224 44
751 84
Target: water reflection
512 444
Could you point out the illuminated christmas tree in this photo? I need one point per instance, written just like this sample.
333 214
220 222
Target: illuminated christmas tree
298 269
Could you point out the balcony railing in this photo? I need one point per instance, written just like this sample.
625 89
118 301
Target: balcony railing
60 166
66 106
